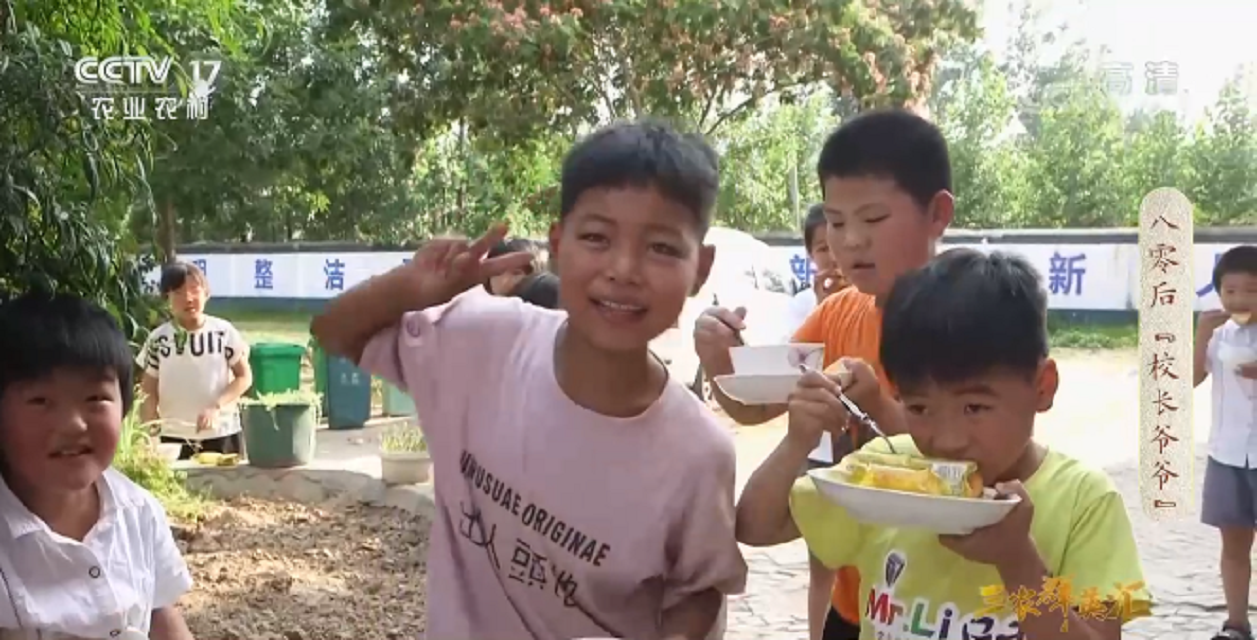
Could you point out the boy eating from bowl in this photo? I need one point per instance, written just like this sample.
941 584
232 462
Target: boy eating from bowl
886 180
965 343
1226 349
539 532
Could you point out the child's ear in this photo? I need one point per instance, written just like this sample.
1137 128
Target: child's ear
1047 382
706 257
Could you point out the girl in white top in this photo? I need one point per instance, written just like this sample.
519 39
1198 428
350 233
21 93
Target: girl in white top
195 369
84 552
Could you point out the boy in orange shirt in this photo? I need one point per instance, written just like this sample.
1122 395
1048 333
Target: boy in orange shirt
886 181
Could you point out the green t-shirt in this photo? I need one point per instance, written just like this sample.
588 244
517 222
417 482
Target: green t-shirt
912 587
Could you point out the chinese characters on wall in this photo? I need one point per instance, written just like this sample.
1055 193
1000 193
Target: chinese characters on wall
1166 297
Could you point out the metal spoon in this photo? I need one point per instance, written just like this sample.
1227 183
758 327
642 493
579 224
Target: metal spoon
864 419
859 414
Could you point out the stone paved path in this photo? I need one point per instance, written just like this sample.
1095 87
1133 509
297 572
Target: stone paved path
1094 420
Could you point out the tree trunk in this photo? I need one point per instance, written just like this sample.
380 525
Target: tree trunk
166 233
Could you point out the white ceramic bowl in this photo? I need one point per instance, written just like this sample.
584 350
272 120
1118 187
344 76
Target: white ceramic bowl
169 451
884 507
776 358
759 389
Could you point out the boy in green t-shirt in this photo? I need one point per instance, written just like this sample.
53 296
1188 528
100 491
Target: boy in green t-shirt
964 340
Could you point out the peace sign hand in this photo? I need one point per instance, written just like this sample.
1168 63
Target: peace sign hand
446 267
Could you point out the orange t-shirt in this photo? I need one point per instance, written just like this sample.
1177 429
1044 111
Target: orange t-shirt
849 324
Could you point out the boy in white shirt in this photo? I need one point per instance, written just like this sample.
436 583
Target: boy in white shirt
1226 349
195 369
84 552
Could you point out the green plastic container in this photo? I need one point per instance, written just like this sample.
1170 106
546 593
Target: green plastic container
281 436
397 402
276 367
318 358
348 395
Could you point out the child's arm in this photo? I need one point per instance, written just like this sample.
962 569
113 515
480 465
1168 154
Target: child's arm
764 508
764 517
241 371
171 578
693 617
149 363
1206 325
148 387
168 624
440 270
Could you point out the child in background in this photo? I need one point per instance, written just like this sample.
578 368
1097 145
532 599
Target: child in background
1229 498
196 367
580 492
541 289
503 284
84 552
828 278
886 180
965 343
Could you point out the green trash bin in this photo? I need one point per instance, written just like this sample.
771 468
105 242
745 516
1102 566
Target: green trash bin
397 402
276 367
318 359
348 395
279 436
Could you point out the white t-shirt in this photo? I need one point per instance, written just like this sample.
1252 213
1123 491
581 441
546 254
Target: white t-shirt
193 369
1233 439
800 307
127 567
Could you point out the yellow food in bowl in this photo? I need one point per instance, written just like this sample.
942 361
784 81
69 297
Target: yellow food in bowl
912 474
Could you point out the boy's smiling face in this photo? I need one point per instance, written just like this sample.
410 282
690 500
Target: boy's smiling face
59 433
876 231
627 259
1238 293
987 419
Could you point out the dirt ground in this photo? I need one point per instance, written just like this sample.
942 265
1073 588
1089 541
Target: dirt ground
284 571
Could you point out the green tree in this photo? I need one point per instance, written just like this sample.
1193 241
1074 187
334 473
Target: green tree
523 69
1156 156
762 155
68 182
1223 160
976 111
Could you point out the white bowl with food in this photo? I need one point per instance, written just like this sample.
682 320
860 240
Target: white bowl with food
942 496
1234 356
169 451
776 359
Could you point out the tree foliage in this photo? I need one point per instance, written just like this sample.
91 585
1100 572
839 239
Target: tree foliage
518 69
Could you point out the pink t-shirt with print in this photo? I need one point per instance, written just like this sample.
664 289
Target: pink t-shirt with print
552 521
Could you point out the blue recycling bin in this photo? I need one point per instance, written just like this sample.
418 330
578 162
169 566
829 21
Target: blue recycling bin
348 394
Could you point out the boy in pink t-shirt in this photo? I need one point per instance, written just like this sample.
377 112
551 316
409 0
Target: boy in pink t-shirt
580 492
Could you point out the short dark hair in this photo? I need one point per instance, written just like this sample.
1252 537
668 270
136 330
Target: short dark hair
177 274
683 167
893 144
540 289
962 315
42 332
516 245
1241 259
815 221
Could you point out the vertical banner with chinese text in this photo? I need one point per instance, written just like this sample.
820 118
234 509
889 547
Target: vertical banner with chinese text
1166 297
